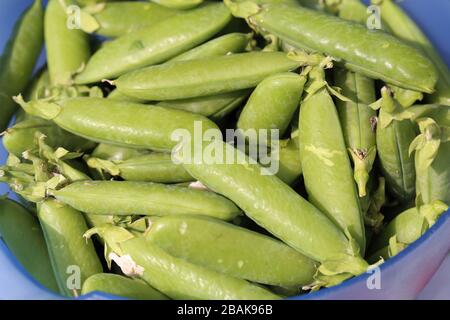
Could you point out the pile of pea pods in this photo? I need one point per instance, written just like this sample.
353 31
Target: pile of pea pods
110 202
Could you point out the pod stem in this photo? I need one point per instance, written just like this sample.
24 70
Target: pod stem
242 9
39 108
363 161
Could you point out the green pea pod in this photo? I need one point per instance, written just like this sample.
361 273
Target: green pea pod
67 46
134 125
90 2
352 10
231 250
290 166
406 29
432 154
117 95
178 4
113 153
23 236
357 47
358 121
121 286
116 19
204 77
153 167
273 103
113 197
155 44
226 44
18 59
21 137
73 258
323 153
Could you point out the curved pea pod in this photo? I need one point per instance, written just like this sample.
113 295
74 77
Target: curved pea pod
114 153
209 106
67 48
153 167
394 61
432 157
23 236
231 250
21 137
273 103
290 166
117 122
116 19
73 258
178 4
155 44
402 26
358 122
18 59
204 77
227 44
114 197
121 286
323 153
276 207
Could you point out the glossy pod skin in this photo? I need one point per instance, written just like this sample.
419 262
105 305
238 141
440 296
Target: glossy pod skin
373 53
121 286
178 4
357 120
116 122
231 250
273 103
406 29
155 44
323 153
144 198
67 49
63 230
18 59
204 77
153 167
179 279
114 153
116 19
23 236
21 137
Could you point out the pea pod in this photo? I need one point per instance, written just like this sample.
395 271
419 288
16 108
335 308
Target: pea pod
73 259
113 197
116 19
273 103
357 47
153 167
204 77
290 166
135 125
18 59
121 286
231 250
178 4
23 236
406 29
113 153
67 48
115 94
155 44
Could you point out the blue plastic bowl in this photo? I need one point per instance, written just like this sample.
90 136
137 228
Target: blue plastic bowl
402 277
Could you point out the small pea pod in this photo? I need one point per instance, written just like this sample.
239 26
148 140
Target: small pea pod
432 154
113 197
323 152
23 236
402 26
356 47
135 125
114 153
67 48
116 19
69 252
231 250
121 286
204 77
273 103
393 140
178 4
358 121
18 59
155 44
290 166
153 167
175 277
